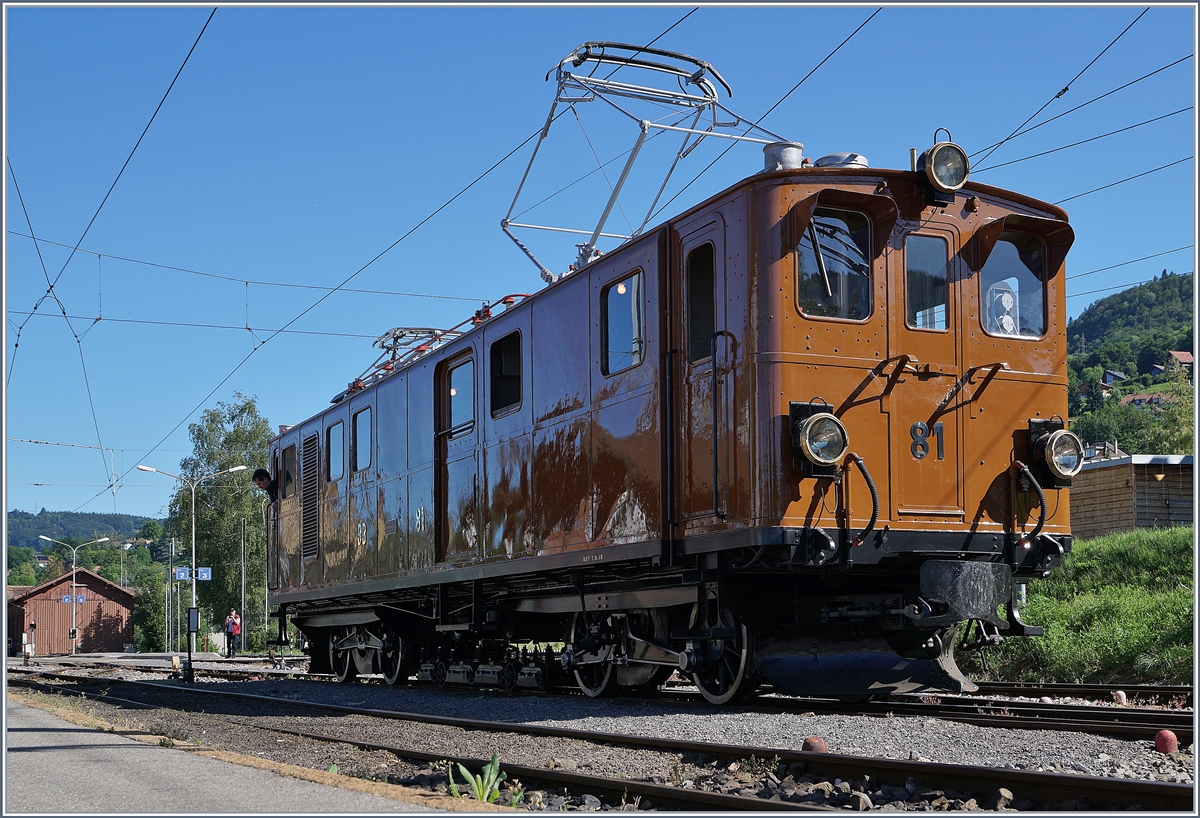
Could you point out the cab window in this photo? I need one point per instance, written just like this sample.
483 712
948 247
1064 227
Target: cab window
360 452
833 266
286 480
334 452
925 283
623 324
1013 287
462 397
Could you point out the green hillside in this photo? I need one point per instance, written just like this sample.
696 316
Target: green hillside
1133 330
24 528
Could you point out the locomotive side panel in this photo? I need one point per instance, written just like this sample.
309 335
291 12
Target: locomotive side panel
457 456
391 448
334 480
420 548
561 514
625 453
508 438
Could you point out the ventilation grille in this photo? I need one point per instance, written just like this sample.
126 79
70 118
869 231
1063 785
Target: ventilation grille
308 499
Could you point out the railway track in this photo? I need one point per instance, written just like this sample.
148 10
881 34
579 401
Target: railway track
981 710
1039 787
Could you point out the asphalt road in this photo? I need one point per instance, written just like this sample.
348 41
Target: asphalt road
53 766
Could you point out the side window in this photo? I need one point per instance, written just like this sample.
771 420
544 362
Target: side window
506 373
833 266
462 397
925 258
701 302
335 452
622 324
1013 287
360 450
287 479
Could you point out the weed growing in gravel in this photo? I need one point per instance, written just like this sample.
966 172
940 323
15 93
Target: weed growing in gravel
485 786
165 742
159 729
759 766
333 769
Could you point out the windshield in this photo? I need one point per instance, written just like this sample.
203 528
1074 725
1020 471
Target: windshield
833 266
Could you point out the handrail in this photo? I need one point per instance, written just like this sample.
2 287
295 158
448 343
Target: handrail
716 380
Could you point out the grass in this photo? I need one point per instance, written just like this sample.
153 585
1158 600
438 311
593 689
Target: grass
1119 610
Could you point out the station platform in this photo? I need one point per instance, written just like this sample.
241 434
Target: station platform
53 766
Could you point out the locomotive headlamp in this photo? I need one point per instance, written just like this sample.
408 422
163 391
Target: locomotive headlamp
946 167
823 439
1063 453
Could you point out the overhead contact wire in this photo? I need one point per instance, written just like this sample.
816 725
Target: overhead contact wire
730 147
1066 87
122 171
347 280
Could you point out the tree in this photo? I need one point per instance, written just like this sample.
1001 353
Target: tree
1173 432
149 609
232 434
150 530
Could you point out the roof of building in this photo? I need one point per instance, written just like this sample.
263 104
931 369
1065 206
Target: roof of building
1140 460
1182 357
92 578
1146 397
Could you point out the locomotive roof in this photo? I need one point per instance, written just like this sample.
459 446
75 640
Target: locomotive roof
774 177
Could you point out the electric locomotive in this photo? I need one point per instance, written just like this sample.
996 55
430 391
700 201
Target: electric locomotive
809 431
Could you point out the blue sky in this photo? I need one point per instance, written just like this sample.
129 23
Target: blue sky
300 143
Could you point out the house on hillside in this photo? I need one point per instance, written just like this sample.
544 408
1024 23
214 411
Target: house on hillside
1144 399
103 614
1176 362
1112 376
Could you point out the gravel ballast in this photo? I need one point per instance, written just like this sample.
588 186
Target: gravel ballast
887 737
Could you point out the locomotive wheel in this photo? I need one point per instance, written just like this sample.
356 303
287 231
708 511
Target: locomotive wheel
729 673
596 680
509 680
439 674
394 658
341 661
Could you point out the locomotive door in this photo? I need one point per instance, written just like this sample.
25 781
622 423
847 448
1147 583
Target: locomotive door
925 322
457 487
703 354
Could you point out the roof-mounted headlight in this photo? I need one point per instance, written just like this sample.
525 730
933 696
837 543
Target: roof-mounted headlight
1062 451
946 167
823 439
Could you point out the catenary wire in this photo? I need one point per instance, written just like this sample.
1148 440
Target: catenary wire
1123 181
1082 141
1123 286
1065 89
347 280
1132 261
730 147
1085 104
121 171
214 326
243 280
78 342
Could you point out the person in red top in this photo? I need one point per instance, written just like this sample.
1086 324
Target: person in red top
233 632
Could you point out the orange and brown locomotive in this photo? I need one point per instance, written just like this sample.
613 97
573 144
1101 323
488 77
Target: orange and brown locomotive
810 431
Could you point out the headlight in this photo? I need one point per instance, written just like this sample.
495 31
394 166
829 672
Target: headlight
823 439
946 167
1063 453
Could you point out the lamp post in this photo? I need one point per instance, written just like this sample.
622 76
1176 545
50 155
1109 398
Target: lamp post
74 596
192 484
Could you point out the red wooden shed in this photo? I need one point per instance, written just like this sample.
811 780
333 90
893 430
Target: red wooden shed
103 614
